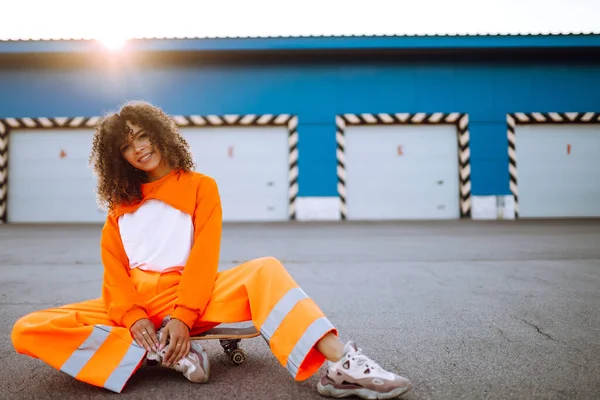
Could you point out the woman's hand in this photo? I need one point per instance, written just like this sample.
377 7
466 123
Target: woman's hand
144 334
180 343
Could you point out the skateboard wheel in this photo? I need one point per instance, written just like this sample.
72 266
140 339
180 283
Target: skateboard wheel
238 356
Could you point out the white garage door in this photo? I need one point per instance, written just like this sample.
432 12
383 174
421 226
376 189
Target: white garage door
250 165
48 177
402 172
558 170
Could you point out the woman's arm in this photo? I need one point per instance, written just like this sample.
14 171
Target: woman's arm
121 299
200 272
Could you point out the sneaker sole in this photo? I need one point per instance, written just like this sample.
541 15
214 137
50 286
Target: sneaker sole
364 393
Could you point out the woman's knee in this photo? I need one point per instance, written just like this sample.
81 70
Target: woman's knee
20 329
271 264
265 265
21 324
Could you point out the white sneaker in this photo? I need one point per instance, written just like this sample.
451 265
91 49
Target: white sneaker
355 374
195 366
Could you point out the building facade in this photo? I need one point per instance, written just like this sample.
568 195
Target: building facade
319 128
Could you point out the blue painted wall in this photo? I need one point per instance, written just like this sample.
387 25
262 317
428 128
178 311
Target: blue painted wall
318 91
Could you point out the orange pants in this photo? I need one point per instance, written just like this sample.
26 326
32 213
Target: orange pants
82 341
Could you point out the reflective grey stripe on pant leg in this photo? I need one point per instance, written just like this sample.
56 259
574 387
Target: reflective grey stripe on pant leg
86 351
117 380
280 311
315 331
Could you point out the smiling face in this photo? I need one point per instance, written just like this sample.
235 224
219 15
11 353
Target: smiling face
137 149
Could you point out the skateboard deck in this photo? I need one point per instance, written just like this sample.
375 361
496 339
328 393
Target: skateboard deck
227 333
229 337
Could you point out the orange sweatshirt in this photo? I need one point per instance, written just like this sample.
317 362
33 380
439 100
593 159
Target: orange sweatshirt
189 192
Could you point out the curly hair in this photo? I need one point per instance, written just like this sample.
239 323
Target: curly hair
118 181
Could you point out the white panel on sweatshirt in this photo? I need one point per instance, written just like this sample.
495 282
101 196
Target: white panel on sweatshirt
157 237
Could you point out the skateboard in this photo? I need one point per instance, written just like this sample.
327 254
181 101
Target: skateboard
229 338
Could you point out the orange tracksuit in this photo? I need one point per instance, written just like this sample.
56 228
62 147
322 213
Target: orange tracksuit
91 341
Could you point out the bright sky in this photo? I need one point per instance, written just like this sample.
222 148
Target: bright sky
118 19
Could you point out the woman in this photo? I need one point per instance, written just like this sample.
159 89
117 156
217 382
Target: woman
160 250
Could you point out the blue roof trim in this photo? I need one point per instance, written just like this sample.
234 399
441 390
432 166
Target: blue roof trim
311 43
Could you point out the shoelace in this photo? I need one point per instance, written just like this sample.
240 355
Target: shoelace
362 359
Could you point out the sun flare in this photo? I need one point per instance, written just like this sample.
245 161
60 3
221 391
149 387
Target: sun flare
113 42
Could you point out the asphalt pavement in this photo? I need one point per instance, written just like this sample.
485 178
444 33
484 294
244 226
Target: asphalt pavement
465 309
